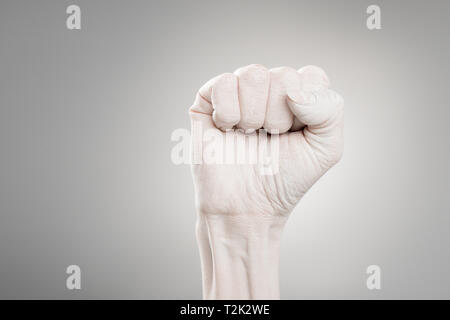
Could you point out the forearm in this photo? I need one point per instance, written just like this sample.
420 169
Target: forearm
239 256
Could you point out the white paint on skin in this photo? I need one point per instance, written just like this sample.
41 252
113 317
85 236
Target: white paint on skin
241 212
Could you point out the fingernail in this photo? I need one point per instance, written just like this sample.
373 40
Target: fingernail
302 97
313 78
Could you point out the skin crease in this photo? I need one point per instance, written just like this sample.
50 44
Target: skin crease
241 212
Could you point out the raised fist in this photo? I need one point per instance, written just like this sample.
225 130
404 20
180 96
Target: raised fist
243 204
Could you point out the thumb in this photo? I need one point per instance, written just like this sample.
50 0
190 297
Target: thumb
322 112
316 108
311 106
312 78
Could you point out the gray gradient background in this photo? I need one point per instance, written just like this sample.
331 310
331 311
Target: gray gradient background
86 118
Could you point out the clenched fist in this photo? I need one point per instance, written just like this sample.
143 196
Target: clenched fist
241 208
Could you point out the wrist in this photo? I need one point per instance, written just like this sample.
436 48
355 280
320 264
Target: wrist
239 256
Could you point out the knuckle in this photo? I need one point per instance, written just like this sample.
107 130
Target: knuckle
251 69
225 80
284 72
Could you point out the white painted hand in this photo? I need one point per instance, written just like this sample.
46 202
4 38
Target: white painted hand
242 211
